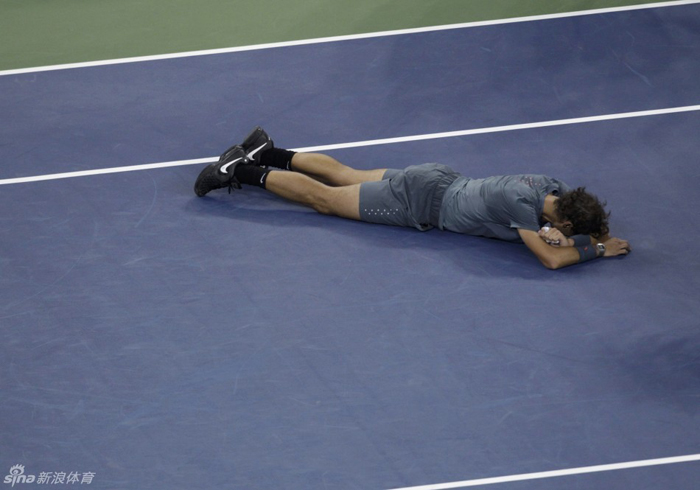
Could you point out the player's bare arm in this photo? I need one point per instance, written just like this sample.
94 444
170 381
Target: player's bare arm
556 238
555 256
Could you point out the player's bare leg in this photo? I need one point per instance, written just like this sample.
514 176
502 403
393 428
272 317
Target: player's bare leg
330 171
338 201
316 180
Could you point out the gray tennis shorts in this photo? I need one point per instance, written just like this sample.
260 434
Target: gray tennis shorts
409 197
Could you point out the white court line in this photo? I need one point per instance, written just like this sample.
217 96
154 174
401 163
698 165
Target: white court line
351 37
553 474
356 144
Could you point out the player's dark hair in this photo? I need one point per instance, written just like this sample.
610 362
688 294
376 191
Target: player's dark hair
586 213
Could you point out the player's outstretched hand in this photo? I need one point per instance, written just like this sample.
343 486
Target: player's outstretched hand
616 246
554 237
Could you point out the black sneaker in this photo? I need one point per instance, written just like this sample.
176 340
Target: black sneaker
254 144
220 174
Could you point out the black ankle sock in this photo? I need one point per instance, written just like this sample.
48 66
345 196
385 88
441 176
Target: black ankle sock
251 174
277 158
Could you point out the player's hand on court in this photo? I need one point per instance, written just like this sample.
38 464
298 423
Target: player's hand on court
554 237
616 246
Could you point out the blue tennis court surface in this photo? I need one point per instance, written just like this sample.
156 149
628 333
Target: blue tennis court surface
159 340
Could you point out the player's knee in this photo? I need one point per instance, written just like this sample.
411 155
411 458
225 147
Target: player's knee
322 206
325 202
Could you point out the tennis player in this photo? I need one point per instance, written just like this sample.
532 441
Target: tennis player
560 225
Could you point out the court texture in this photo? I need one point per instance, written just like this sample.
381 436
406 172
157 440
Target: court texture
155 340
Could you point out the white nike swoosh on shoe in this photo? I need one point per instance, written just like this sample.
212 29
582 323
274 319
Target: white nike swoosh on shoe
252 153
224 168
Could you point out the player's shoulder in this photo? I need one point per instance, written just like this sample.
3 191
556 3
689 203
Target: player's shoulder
541 183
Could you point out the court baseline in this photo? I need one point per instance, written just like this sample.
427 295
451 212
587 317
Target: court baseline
357 144
557 473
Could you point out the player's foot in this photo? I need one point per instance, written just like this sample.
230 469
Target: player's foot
220 174
254 144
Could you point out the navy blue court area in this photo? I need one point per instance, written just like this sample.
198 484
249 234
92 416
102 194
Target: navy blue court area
156 340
